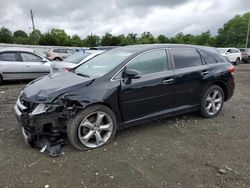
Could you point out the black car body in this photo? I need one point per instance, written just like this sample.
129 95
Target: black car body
135 92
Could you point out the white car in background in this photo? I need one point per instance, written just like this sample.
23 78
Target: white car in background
73 60
232 54
22 64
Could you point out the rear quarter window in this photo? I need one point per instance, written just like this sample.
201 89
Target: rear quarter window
186 57
208 57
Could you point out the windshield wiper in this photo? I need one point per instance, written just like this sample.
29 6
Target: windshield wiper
83 75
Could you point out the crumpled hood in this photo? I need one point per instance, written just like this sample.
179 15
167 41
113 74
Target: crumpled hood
48 88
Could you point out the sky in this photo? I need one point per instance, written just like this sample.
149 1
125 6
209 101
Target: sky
84 17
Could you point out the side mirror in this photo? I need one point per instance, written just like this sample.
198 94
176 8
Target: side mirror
131 74
228 52
44 60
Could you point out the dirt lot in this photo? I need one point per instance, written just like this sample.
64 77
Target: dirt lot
185 151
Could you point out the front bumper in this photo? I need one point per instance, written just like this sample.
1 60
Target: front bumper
41 128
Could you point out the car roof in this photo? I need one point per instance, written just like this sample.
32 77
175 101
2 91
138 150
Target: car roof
16 49
144 47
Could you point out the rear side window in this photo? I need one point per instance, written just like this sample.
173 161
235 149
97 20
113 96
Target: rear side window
28 57
149 62
8 56
185 57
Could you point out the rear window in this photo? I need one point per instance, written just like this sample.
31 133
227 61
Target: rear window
185 57
8 56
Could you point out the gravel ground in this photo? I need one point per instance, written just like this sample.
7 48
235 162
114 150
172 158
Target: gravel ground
183 151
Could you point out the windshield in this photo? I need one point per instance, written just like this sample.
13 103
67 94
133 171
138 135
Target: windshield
222 50
104 63
77 57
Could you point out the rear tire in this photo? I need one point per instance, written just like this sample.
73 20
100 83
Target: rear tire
1 79
57 59
237 62
94 127
212 102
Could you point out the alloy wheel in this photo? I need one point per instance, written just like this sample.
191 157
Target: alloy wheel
213 102
95 129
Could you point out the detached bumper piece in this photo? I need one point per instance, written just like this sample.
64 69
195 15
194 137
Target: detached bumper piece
42 127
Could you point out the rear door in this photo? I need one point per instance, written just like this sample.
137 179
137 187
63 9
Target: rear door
191 75
153 92
10 65
33 65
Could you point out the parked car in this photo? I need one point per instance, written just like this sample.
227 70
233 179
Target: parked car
59 54
232 54
22 64
244 55
73 60
103 47
123 87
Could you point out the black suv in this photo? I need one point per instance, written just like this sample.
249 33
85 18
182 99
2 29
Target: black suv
123 87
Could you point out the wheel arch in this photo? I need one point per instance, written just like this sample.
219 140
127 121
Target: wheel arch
57 58
221 84
117 114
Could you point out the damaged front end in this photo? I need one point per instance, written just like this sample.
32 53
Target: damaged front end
44 125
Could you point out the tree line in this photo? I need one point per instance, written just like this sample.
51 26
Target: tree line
233 33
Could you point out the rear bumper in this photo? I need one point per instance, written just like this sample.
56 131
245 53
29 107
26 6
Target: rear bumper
230 88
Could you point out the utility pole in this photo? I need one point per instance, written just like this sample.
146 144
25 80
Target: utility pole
32 19
33 25
247 33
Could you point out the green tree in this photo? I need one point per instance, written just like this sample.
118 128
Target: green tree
131 38
76 41
162 39
35 36
147 38
20 37
6 35
202 39
107 40
233 33
91 40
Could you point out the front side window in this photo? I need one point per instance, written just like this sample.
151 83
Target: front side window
185 57
149 62
28 57
8 56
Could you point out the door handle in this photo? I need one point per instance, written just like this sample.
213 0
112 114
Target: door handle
168 81
205 72
27 66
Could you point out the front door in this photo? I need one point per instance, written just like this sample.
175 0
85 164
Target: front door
153 92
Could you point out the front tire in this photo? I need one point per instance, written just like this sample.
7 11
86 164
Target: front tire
94 127
212 102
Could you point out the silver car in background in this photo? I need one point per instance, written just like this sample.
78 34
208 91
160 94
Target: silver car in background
74 60
22 64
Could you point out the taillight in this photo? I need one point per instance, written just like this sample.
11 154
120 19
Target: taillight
66 69
232 69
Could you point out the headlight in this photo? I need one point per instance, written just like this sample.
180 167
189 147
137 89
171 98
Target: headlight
43 108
